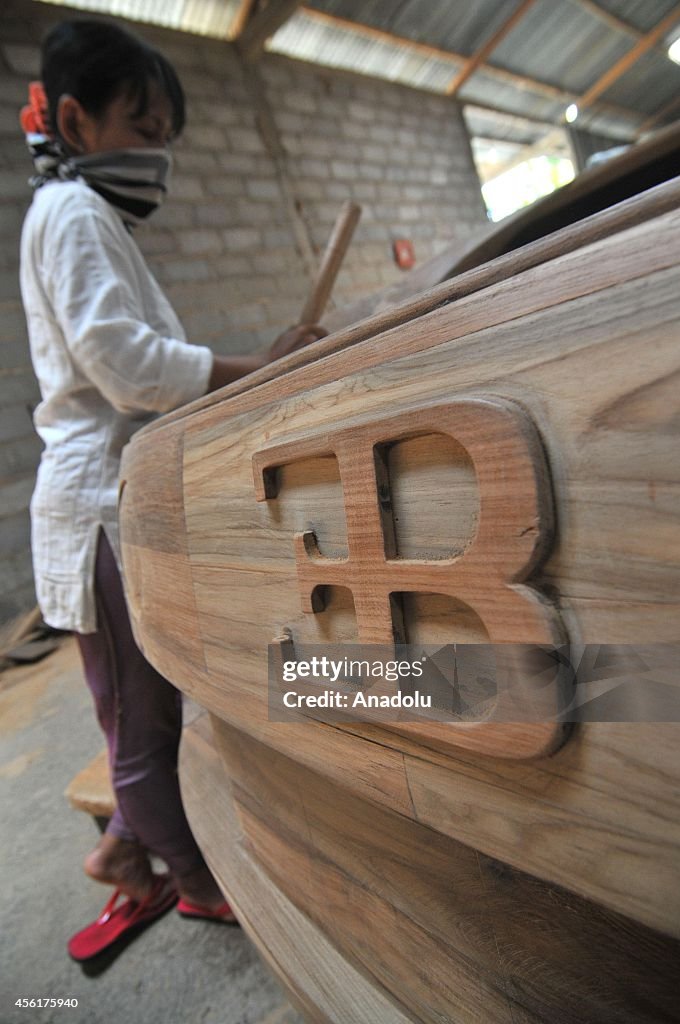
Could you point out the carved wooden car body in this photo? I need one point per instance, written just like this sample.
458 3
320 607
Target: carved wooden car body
523 420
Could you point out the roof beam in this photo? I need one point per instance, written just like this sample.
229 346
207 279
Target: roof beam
480 55
643 44
262 24
245 9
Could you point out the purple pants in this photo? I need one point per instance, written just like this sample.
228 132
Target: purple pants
141 715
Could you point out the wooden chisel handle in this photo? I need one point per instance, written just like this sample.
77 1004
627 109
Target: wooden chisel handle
338 243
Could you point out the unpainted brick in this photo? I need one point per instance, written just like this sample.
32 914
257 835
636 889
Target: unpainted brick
222 61
361 112
206 137
204 325
187 187
262 188
16 495
276 261
395 173
16 601
238 239
302 102
372 172
216 214
13 88
328 128
438 176
228 266
224 185
14 156
23 60
20 456
19 386
313 168
172 214
17 574
343 169
277 237
341 190
308 190
275 74
9 285
319 147
227 114
9 120
247 316
13 184
12 322
183 270
380 133
288 122
15 421
197 83
157 242
191 161
326 213
357 132
241 163
245 140
251 212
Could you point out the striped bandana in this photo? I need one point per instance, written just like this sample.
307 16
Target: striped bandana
134 181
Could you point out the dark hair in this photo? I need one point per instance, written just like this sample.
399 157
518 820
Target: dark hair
97 61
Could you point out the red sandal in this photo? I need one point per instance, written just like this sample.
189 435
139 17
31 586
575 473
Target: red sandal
224 914
116 921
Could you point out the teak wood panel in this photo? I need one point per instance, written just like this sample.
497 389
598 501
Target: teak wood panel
451 934
588 344
295 948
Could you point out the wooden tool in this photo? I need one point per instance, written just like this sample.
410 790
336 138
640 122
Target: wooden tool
338 243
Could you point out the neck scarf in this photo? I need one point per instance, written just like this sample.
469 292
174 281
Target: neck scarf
134 181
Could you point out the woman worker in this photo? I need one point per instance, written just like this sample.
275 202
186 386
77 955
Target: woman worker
109 353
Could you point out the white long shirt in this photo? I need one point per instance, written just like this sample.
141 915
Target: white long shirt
109 353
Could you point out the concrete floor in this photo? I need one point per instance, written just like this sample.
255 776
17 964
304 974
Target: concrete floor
176 971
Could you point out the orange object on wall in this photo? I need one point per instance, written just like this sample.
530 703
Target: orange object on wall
404 254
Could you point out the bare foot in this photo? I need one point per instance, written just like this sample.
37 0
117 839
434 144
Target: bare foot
121 863
201 889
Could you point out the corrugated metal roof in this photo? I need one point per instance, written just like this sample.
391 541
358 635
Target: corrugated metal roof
307 38
643 14
648 85
457 25
202 17
562 43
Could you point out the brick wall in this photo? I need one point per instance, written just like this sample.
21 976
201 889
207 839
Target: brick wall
268 156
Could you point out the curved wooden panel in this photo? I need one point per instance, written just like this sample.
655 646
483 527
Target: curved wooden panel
370 917
580 353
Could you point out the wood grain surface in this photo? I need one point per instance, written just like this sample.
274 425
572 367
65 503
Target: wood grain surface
583 347
483 941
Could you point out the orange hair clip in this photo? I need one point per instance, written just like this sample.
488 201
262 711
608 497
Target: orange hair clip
33 117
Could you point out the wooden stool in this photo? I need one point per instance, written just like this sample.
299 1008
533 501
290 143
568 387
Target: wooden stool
91 791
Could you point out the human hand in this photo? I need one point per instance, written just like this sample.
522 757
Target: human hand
295 338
